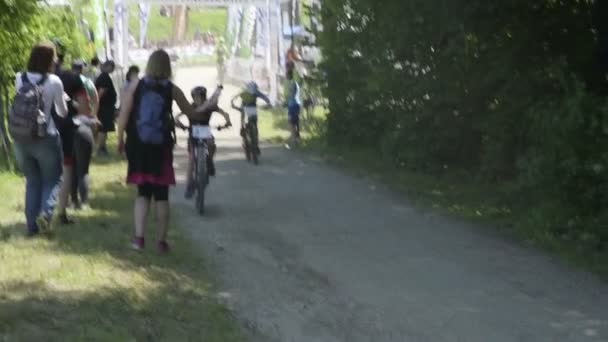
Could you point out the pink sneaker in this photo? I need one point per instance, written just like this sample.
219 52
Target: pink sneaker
138 243
163 247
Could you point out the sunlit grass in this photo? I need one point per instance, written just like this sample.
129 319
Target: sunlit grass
161 28
273 125
86 283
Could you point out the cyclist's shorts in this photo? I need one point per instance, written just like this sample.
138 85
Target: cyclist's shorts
252 119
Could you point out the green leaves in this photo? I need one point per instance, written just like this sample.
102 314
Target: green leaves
26 22
507 90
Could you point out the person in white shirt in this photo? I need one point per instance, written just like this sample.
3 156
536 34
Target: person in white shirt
41 159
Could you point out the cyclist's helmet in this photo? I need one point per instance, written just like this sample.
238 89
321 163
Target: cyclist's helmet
199 91
251 87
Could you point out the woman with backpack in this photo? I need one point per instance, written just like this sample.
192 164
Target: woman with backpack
36 138
146 118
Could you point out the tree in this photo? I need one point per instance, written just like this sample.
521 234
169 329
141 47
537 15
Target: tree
505 91
22 24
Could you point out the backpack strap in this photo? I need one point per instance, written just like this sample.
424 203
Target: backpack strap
170 118
25 79
42 80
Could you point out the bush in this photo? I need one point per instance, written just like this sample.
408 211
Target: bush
23 23
506 91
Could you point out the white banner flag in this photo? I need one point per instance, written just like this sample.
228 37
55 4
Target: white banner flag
144 18
238 20
119 31
261 31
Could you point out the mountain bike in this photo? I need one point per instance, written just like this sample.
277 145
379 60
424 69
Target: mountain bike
249 133
201 157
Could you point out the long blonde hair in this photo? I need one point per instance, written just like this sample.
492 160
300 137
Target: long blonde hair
159 65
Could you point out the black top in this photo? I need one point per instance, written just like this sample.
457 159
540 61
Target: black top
108 101
205 117
72 85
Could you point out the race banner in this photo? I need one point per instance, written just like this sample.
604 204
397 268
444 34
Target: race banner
144 19
238 20
261 30
232 19
119 31
277 13
249 20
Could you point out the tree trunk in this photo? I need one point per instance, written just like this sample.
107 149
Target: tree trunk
180 15
5 142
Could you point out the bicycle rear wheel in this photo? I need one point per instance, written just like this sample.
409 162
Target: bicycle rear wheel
202 178
255 149
246 145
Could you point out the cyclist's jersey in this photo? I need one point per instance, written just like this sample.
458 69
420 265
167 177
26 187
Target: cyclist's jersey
249 101
203 118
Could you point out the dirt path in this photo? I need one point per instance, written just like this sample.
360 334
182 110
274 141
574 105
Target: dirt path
307 253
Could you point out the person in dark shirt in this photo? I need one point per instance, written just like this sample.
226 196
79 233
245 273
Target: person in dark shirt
107 104
78 96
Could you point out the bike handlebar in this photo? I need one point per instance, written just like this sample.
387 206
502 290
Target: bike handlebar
186 127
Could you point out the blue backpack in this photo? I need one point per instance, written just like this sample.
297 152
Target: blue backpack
154 120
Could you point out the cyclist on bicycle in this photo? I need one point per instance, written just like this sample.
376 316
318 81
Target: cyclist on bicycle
199 96
249 107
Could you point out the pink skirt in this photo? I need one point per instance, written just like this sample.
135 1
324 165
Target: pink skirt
166 177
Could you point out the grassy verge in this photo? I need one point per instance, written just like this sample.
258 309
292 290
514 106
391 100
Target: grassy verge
273 126
86 283
454 194
196 61
161 28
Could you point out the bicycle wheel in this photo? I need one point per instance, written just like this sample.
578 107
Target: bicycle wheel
255 148
202 178
246 145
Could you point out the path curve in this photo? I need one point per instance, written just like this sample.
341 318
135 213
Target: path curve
307 253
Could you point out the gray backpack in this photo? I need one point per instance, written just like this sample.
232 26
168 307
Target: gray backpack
26 108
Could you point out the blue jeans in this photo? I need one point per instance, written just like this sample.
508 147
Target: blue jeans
41 163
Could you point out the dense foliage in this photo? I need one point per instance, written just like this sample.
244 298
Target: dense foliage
22 24
511 92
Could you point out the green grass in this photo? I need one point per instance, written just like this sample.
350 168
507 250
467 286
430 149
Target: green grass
273 125
197 61
207 19
454 194
87 284
161 28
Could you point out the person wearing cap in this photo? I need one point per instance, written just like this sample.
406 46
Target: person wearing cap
107 104
84 141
